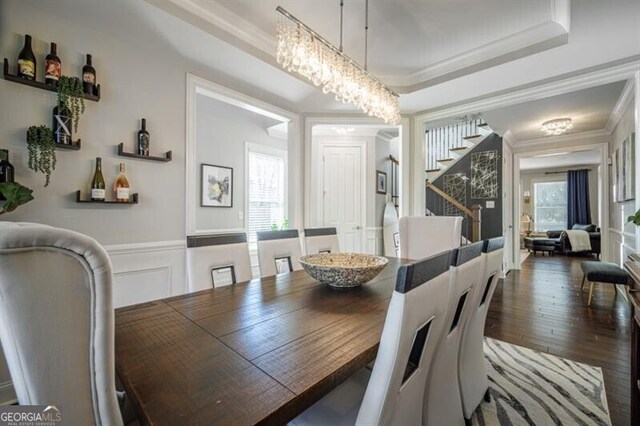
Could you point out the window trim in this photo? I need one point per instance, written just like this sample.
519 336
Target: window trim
545 179
267 150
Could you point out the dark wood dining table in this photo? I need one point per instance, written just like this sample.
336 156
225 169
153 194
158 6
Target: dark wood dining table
258 352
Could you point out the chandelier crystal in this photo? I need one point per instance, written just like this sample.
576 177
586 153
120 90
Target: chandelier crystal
302 50
557 126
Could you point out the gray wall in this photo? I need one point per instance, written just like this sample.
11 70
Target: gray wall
221 133
141 55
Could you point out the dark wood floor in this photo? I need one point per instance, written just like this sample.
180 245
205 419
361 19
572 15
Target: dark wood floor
541 307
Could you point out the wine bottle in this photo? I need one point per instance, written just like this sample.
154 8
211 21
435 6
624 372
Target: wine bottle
62 125
6 169
121 185
89 77
27 61
53 69
97 183
143 139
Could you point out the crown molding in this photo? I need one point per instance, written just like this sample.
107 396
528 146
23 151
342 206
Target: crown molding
214 18
623 102
524 43
555 140
510 139
582 79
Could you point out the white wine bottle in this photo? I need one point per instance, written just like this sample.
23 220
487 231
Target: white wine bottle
121 186
98 191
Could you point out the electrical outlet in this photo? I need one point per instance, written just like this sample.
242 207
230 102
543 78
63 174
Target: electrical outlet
240 215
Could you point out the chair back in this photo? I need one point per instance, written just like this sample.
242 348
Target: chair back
412 329
57 321
217 260
442 405
424 236
278 252
321 240
472 372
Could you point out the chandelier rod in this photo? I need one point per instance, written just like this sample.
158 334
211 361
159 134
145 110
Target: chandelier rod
341 20
366 31
330 46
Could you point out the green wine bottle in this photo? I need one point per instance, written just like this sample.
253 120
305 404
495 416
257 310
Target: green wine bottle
98 188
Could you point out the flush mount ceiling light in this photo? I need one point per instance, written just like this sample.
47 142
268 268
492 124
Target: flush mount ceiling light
304 51
557 126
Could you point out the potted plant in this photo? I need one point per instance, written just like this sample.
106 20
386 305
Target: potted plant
635 219
71 97
13 193
42 152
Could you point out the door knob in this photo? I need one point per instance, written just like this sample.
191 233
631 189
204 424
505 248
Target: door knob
357 228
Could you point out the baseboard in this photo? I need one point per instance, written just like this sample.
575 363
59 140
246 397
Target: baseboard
7 393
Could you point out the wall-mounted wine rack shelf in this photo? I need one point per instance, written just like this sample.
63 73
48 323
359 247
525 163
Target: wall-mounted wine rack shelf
73 146
132 200
166 158
44 86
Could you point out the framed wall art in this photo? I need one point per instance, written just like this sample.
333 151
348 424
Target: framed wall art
217 186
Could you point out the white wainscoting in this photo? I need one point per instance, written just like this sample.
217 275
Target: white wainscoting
374 243
147 271
621 245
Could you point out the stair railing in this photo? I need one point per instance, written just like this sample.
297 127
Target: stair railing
475 212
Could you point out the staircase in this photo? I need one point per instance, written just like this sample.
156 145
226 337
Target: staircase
447 145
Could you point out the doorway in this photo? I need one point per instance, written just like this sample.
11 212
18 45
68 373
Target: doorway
342 193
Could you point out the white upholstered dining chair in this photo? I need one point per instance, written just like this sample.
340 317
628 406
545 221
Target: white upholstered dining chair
424 236
442 404
217 260
472 370
279 251
393 393
57 322
321 240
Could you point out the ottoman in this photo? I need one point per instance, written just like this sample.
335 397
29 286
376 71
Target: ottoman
602 272
543 245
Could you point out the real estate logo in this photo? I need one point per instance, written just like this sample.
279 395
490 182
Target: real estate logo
30 415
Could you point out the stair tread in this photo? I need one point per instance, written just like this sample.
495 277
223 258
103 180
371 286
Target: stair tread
459 148
432 170
446 159
483 125
472 137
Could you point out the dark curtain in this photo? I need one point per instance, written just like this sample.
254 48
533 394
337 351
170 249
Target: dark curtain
578 208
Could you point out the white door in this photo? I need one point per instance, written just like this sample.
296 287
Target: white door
507 207
342 206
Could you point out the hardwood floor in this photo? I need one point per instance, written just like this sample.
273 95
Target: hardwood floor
541 307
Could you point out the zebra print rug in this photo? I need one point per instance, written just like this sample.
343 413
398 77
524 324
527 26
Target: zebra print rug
533 388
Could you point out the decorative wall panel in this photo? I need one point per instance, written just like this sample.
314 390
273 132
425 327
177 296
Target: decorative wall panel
484 175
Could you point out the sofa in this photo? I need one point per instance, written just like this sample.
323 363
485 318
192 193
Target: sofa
564 246
558 241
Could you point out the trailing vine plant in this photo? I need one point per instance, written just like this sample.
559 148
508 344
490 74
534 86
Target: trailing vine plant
71 97
42 153
12 194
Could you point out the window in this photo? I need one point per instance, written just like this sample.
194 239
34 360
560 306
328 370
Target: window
267 189
550 205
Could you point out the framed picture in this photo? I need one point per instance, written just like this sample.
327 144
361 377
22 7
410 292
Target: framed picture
217 186
614 176
381 182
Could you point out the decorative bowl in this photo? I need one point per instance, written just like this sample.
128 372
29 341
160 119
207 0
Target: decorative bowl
343 269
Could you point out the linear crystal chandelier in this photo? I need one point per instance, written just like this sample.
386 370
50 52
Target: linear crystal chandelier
557 126
304 51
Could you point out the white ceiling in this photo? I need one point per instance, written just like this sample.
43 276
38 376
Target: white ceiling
432 30
571 159
589 109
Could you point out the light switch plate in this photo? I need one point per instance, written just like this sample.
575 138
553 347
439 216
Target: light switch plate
491 204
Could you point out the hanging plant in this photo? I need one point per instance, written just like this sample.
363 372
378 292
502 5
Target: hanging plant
71 97
42 152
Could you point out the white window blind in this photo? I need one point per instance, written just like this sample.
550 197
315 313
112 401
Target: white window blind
550 204
267 192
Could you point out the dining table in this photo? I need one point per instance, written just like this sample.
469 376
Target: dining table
257 352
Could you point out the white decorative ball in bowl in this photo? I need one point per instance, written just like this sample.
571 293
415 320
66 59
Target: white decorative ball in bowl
343 269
